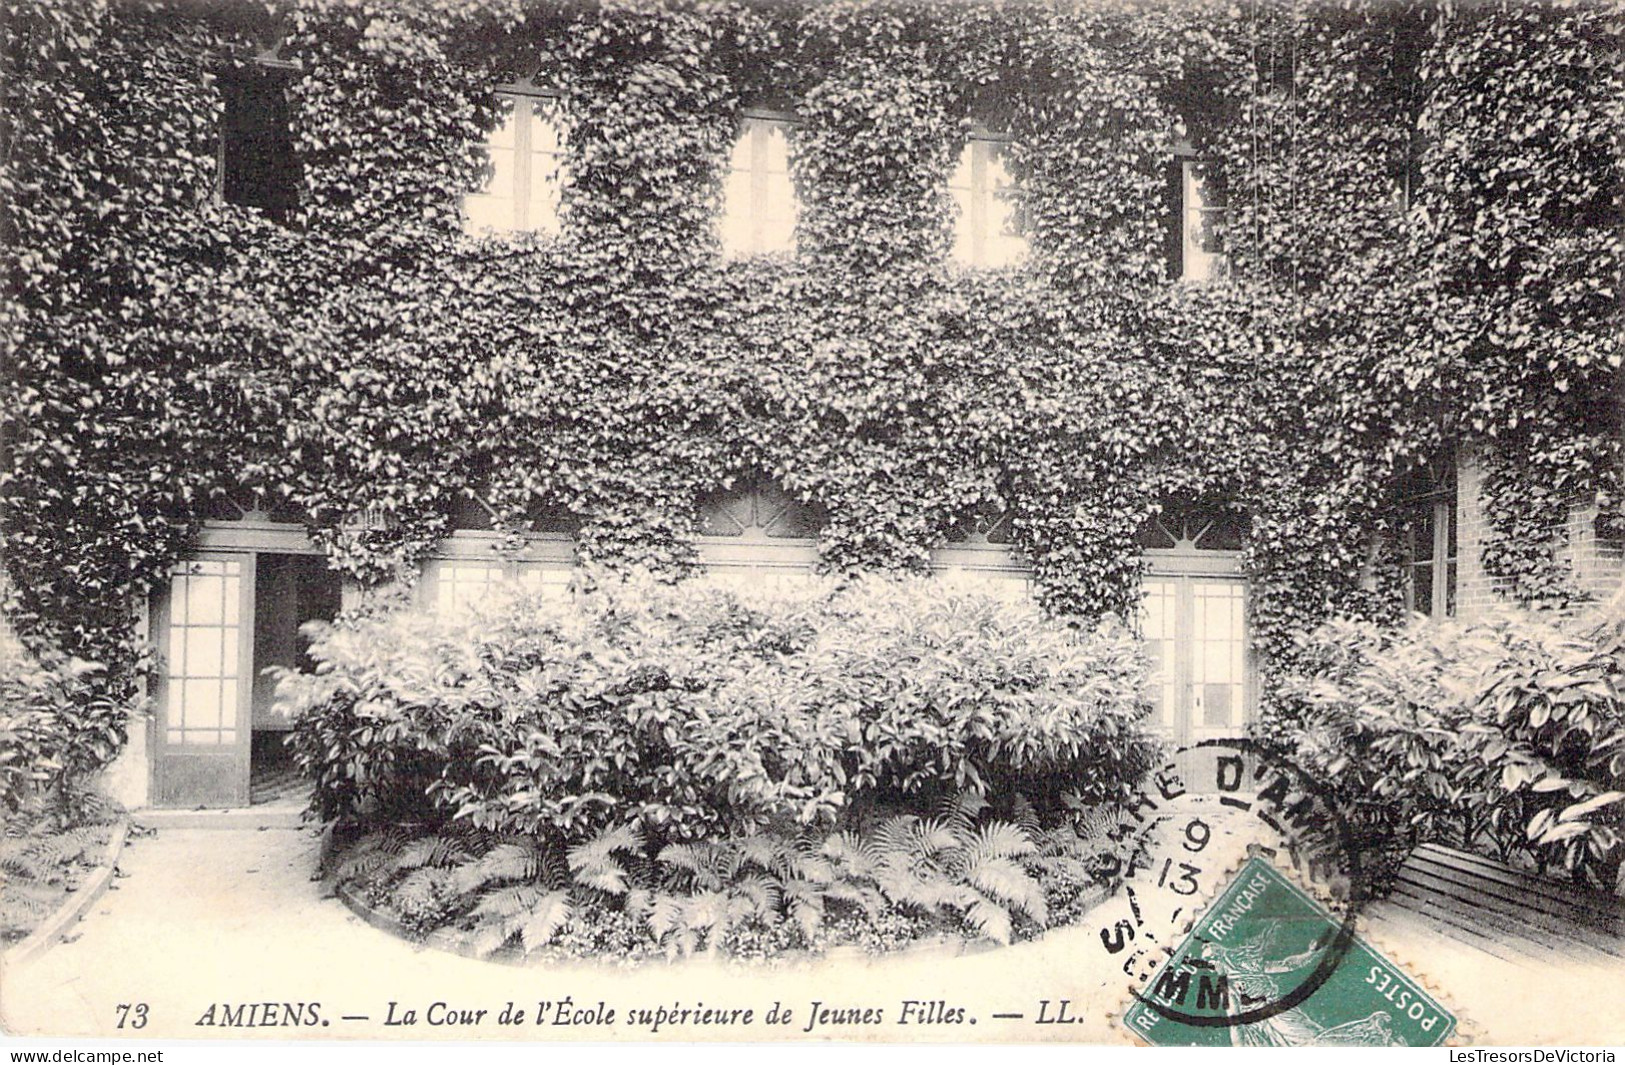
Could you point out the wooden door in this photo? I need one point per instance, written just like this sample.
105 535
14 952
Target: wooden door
204 633
1196 635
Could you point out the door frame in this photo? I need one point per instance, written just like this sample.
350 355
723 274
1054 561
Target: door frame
167 757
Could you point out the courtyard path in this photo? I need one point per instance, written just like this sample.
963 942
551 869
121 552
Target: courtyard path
209 917
214 918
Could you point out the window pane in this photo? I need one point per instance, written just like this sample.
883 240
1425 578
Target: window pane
1218 705
1202 217
1422 588
759 201
204 654
505 134
777 147
488 213
1423 532
201 704
544 194
546 169
204 599
736 221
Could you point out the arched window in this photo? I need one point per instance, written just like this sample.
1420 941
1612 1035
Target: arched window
756 533
987 229
759 200
980 554
469 563
524 171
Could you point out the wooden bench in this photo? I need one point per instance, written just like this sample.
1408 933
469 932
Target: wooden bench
1513 915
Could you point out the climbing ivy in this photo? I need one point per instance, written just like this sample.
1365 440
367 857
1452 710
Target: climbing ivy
1422 232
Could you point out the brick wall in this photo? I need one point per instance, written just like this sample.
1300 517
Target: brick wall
1598 565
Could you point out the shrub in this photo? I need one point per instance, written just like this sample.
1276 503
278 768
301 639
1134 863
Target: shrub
58 728
699 711
1508 734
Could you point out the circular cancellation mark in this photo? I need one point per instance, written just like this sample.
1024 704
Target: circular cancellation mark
1256 791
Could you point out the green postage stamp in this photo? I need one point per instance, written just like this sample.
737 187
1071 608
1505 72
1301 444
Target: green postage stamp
1268 966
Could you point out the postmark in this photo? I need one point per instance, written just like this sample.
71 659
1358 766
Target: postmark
1262 967
1202 814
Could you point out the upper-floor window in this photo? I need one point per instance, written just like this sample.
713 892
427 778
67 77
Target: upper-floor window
524 171
759 200
987 231
1201 219
258 167
1427 543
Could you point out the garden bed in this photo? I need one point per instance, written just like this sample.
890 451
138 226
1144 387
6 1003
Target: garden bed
50 874
645 770
943 886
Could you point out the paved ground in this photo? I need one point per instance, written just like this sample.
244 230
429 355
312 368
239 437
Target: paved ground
210 917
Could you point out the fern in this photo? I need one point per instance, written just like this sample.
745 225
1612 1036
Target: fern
702 864
990 920
665 915
550 914
1025 815
806 903
508 861
594 864
369 855
533 914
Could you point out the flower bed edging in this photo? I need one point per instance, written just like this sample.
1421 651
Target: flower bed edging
76 905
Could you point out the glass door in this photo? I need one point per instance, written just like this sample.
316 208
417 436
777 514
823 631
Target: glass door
1195 631
205 631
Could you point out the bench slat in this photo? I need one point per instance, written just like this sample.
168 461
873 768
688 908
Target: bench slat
1607 907
1516 920
1558 914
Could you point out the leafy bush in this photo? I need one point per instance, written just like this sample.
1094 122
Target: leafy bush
1508 733
698 712
58 727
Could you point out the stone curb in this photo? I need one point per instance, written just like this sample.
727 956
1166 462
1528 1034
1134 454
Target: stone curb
41 938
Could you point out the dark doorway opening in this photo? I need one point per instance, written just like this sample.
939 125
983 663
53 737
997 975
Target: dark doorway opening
289 590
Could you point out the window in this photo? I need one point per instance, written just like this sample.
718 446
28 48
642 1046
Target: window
980 555
1428 547
757 534
258 167
759 201
987 231
524 171
1201 220
457 585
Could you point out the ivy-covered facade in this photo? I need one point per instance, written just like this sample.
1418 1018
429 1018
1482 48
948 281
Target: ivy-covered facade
1227 318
